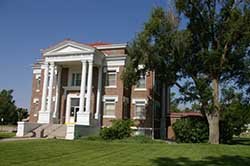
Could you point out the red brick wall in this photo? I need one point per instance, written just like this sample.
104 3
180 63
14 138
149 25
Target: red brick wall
34 108
143 95
118 91
119 51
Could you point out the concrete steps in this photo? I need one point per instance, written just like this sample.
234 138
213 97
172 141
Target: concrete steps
49 131
56 131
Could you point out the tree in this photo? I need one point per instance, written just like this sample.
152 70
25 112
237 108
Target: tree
7 107
235 114
154 48
219 32
209 52
22 113
174 103
9 113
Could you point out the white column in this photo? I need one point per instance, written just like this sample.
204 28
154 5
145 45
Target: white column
99 92
83 117
45 86
89 86
58 87
83 84
52 73
44 115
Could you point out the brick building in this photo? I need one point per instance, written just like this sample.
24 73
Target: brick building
79 86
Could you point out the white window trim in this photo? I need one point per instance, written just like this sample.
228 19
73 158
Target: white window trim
35 100
109 116
141 66
134 102
110 98
37 71
38 76
112 69
139 100
105 98
142 89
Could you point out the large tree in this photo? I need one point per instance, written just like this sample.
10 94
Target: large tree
209 52
154 48
220 36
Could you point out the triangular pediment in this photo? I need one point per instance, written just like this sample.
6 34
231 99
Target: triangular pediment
68 47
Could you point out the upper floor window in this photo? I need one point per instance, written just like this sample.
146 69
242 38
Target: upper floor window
38 82
76 79
141 83
111 78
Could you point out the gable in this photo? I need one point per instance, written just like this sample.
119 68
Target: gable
68 47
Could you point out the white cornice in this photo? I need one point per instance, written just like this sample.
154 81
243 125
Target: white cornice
112 46
66 43
115 60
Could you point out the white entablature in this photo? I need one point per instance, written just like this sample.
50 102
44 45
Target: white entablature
68 47
69 51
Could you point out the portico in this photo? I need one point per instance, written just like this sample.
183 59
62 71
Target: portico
70 54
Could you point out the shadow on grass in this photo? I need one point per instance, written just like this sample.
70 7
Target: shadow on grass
240 141
4 135
208 161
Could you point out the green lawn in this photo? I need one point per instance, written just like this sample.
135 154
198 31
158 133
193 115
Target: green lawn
6 135
100 153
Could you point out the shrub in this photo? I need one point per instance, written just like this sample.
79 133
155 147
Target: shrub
233 121
120 129
191 130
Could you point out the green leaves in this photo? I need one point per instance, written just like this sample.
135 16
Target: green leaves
156 48
9 113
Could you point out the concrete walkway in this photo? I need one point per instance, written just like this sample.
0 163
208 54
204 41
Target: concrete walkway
17 139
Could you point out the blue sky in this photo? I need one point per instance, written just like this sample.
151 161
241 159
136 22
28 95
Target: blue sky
26 26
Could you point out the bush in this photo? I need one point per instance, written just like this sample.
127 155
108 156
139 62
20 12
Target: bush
120 129
191 130
233 121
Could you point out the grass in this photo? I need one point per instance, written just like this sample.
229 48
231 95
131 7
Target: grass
85 152
6 135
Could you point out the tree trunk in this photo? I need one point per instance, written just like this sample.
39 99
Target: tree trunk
214 116
214 132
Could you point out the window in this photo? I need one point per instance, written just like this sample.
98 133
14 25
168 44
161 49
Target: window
141 83
76 79
109 108
111 78
140 111
38 82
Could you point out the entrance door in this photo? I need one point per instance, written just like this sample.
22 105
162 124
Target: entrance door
74 108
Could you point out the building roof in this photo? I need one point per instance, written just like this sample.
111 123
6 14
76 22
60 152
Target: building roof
185 114
97 45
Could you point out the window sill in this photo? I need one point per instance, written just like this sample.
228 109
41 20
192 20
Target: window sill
139 118
37 90
140 89
109 116
110 86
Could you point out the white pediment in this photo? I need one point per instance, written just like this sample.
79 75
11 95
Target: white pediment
67 48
